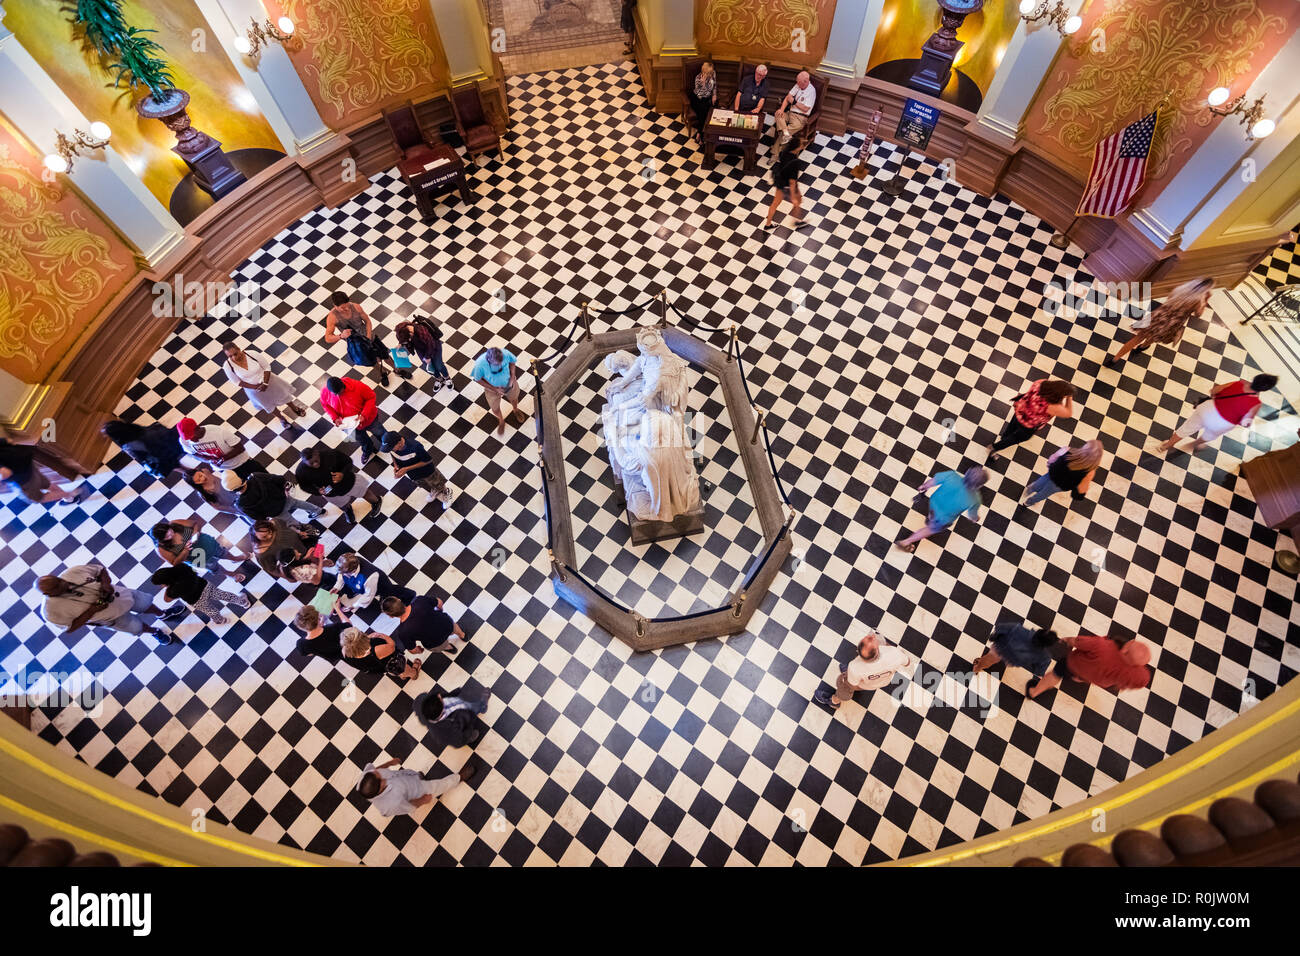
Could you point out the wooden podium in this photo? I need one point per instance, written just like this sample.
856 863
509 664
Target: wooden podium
431 172
1275 482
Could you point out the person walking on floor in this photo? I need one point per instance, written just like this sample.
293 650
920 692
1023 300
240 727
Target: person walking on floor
180 582
785 182
155 447
1166 323
20 471
211 489
329 473
1229 405
1016 645
394 792
450 717
265 496
1069 469
423 623
348 322
497 371
378 654
411 460
321 637
183 541
953 494
271 539
218 445
422 338
1044 400
360 584
84 595
1100 661
874 666
252 372
351 406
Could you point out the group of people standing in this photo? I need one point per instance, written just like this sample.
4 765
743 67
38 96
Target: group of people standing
1117 661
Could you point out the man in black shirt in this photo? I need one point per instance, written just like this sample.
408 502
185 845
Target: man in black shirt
328 472
753 92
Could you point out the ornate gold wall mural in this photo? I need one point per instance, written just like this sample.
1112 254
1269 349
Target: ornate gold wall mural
359 56
59 263
1153 46
765 29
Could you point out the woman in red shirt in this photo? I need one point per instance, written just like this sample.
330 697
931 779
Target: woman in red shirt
1229 405
1046 399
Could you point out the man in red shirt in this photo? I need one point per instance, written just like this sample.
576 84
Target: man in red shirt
1100 661
351 404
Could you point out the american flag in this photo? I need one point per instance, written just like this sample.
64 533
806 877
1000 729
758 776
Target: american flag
1119 168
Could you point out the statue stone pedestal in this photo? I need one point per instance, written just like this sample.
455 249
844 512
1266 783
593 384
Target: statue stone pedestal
645 532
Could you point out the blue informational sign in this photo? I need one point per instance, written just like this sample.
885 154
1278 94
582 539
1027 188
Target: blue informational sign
917 123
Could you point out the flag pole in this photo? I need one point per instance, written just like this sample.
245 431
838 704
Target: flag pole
1062 239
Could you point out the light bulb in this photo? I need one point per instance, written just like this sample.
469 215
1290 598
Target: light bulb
1262 128
56 163
285 25
242 45
100 131
1072 25
1218 96
1027 7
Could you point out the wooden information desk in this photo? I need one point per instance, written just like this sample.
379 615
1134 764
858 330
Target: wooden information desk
433 172
721 130
1275 482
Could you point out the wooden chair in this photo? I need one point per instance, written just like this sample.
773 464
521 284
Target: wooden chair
477 131
410 138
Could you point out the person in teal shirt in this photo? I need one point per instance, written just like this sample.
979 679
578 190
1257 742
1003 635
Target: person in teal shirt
497 370
953 494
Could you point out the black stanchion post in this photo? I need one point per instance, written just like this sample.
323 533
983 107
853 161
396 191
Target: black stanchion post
536 375
896 185
586 319
732 344
758 423
663 307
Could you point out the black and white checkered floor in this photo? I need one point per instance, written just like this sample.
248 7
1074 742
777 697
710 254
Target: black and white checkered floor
884 343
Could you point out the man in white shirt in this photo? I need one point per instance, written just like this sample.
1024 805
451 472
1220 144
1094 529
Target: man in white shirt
796 107
873 667
218 445
85 595
392 792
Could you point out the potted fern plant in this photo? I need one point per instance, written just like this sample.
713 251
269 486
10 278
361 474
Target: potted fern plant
133 57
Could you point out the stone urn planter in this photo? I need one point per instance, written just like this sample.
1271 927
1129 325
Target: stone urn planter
939 52
212 169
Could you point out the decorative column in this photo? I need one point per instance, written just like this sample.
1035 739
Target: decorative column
665 34
270 77
1000 121
853 30
39 109
464 30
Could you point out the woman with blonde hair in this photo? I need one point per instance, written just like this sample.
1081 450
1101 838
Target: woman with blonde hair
704 96
1166 323
1070 469
377 654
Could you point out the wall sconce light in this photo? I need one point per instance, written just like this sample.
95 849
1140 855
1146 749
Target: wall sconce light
260 33
67 148
1066 24
1252 117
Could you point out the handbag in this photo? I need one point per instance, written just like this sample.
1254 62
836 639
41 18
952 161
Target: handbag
361 350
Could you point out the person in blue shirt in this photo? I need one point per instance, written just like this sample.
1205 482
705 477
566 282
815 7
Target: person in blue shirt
1019 646
953 494
498 372
361 584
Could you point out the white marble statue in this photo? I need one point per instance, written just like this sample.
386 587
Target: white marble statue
645 430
